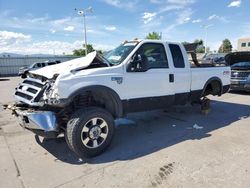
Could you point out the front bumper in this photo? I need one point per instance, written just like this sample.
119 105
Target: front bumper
42 123
240 85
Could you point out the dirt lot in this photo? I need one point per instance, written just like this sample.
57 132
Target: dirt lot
178 147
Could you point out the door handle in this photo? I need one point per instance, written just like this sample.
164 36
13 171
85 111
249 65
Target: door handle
171 77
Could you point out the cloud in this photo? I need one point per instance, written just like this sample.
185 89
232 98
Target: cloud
46 25
235 4
23 44
110 28
177 2
182 2
45 47
148 17
69 28
49 47
196 21
155 1
180 7
184 16
187 19
52 31
12 38
126 4
104 47
216 17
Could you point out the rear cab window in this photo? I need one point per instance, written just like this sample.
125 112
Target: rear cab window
177 56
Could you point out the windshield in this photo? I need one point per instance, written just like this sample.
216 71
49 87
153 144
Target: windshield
120 53
242 64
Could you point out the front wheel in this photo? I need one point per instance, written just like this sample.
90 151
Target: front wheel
89 131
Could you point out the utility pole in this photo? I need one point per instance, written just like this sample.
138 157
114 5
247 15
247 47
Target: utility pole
206 34
83 14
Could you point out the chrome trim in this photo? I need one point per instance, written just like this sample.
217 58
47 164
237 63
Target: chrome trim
31 86
35 80
27 92
24 90
38 120
26 101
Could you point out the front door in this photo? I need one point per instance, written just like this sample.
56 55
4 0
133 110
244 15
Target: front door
149 81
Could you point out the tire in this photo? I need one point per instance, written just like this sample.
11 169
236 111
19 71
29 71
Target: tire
90 131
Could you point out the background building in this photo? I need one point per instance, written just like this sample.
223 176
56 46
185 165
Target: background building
243 44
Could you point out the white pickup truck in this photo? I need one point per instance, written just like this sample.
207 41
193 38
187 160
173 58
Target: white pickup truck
82 97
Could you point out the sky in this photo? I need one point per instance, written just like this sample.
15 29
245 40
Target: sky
54 27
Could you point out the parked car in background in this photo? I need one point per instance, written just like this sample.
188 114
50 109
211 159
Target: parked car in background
215 59
24 70
240 74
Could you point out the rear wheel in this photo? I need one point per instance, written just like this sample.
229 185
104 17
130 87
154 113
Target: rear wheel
89 132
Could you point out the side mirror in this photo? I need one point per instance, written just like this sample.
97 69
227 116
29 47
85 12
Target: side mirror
137 64
135 60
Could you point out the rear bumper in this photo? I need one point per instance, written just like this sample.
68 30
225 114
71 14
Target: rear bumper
43 123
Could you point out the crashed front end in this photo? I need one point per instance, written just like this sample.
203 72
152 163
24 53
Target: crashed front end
34 107
39 106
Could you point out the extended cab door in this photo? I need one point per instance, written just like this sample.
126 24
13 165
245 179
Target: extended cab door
148 79
181 73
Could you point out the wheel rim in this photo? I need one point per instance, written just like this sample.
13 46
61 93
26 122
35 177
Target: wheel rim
94 133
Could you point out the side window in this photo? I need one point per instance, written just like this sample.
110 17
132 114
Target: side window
39 65
177 56
155 55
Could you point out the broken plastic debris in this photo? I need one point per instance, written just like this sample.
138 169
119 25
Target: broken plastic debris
195 126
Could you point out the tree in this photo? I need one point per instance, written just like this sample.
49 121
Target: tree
153 36
201 47
81 52
226 46
185 42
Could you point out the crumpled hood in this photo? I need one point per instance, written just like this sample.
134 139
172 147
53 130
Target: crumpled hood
237 57
67 66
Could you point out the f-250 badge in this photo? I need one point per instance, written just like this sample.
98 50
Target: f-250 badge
117 79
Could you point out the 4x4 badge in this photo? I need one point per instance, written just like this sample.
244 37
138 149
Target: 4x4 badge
117 79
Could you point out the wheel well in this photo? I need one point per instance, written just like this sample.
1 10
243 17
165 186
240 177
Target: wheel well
99 97
213 87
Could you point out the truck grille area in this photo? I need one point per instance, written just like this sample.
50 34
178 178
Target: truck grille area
29 91
25 96
240 75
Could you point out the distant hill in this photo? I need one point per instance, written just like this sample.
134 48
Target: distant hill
5 54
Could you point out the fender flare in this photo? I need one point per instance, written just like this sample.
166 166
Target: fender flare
114 96
215 78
